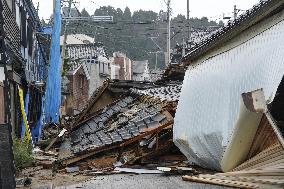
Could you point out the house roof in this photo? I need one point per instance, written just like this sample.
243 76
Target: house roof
143 106
164 93
86 51
139 66
234 27
121 121
79 66
77 39
124 87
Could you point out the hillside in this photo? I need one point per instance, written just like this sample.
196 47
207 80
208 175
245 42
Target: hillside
131 33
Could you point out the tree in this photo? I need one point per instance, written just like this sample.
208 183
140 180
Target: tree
221 23
84 13
127 14
130 33
119 14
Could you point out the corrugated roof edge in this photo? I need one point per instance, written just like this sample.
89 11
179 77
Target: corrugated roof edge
96 44
234 27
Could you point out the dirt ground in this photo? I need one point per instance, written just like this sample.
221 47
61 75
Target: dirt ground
43 178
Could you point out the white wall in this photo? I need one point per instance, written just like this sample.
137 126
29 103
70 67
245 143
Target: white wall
209 106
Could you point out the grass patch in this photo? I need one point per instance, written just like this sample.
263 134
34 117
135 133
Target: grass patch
22 154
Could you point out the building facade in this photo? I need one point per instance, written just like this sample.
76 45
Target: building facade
141 71
77 89
82 53
122 67
22 69
26 60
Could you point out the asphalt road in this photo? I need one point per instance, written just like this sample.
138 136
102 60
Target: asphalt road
143 181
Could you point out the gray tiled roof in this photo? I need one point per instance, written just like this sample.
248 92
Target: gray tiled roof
86 51
167 93
258 11
121 121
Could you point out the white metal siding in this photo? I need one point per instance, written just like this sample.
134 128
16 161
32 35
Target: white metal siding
211 95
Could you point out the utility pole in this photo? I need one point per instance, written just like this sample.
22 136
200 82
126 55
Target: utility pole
235 12
169 33
160 50
189 32
65 32
37 7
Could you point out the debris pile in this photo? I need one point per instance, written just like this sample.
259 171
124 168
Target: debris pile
133 130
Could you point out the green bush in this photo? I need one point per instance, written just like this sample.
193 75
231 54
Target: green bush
22 154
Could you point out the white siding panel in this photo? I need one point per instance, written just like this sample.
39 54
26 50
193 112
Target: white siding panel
210 100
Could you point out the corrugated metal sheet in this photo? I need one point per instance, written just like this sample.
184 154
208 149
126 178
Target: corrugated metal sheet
210 102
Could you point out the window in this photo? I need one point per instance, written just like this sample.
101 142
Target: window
30 37
81 81
23 26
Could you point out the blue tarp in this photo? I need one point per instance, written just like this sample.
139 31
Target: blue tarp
47 30
36 132
53 90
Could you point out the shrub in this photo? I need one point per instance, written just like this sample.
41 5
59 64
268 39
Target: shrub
22 154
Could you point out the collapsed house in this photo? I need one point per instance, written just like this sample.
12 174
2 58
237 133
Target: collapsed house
229 117
122 114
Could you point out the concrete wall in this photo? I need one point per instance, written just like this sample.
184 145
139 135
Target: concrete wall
78 87
97 75
125 70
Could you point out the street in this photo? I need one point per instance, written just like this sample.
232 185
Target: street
142 181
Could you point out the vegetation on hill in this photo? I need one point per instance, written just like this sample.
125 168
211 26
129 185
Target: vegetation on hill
131 32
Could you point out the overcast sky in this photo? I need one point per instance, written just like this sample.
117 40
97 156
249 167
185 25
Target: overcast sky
213 9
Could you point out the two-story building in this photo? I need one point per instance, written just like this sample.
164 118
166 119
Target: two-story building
27 60
23 68
87 67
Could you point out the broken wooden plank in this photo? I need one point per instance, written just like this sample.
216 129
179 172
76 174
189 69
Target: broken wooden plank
55 139
220 182
254 179
151 131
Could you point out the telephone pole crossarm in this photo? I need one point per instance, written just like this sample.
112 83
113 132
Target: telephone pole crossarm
93 18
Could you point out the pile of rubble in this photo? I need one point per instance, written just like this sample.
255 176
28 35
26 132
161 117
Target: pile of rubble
133 128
